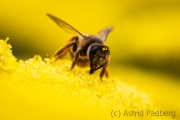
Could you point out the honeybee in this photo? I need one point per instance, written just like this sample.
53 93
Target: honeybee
85 50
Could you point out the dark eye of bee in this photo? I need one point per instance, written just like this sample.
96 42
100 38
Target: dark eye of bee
98 56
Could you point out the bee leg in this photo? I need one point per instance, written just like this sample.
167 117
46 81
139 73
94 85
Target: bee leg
91 71
75 59
104 71
61 52
107 72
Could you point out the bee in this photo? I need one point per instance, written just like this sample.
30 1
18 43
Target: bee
85 50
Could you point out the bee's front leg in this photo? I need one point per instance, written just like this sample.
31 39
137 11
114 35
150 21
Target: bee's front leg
75 59
104 71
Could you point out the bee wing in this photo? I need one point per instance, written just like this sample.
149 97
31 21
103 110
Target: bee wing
65 26
104 33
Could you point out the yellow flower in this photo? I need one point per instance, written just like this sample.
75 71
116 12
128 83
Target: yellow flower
7 60
38 90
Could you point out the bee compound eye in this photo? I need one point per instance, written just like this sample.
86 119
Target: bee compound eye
94 50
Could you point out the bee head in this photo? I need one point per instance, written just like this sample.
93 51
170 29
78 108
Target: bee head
98 56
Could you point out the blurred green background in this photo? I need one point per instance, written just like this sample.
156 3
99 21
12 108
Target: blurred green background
145 42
